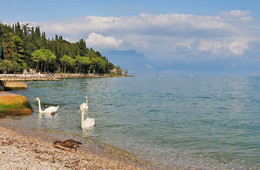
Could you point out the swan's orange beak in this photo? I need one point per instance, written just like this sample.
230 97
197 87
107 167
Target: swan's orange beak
35 99
79 111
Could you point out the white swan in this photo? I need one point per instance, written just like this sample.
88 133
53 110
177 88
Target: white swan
50 110
84 105
89 122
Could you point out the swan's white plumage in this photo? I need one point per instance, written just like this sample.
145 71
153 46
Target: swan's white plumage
89 122
49 110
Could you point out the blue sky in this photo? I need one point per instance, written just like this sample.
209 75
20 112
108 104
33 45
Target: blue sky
50 10
187 35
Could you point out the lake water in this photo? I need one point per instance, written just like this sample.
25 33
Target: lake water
199 122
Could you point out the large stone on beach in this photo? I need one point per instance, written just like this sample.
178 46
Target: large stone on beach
12 85
14 104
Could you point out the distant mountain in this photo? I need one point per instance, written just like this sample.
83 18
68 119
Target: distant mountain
136 63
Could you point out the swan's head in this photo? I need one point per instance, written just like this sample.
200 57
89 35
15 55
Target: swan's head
36 99
86 98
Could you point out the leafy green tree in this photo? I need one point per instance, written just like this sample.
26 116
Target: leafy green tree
18 50
110 66
82 47
1 38
85 61
8 46
126 72
13 50
101 65
26 30
37 38
6 66
48 56
17 30
67 61
25 47
43 56
94 64
78 62
118 70
37 57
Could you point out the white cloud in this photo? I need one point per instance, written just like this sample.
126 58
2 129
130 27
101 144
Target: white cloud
229 46
236 13
149 66
165 36
238 47
102 42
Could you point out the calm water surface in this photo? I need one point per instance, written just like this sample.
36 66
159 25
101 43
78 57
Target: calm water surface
202 122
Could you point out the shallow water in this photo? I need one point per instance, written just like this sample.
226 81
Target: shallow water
199 122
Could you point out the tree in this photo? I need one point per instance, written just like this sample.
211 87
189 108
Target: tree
25 46
18 50
48 56
110 66
67 61
44 56
13 50
78 62
37 57
17 29
85 61
8 46
101 65
118 70
1 37
126 72
6 66
82 47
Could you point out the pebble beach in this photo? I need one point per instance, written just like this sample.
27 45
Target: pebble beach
18 150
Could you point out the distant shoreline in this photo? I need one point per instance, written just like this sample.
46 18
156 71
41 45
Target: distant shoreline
52 77
76 75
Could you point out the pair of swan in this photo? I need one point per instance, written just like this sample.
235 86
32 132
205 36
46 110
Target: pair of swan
89 122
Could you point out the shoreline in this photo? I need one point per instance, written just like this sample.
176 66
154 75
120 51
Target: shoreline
53 77
23 148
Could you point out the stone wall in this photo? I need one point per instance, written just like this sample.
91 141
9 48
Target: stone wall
74 75
27 77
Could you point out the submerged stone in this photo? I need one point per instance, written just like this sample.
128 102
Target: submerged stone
14 104
12 85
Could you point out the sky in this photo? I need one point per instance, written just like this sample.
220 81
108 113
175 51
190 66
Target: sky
179 36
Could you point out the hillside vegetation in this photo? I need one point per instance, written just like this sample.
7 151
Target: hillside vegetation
23 47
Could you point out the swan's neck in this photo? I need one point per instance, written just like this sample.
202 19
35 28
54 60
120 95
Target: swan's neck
40 108
86 103
82 118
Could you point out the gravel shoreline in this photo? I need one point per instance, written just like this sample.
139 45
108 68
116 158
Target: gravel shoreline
19 151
